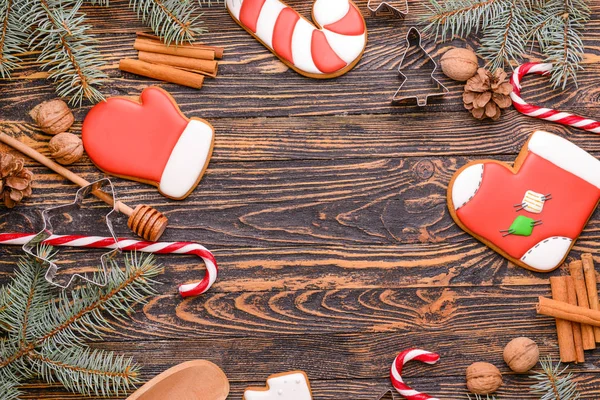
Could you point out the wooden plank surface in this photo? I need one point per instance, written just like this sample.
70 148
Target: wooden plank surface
325 207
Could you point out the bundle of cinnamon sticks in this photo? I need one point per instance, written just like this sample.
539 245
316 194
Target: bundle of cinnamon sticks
185 64
575 306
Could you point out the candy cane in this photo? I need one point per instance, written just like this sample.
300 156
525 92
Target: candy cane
97 242
547 114
324 52
396 371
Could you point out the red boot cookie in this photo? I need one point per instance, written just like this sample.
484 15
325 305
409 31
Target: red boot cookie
149 141
531 213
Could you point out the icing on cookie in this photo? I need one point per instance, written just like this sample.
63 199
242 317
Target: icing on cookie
484 195
290 386
325 51
149 141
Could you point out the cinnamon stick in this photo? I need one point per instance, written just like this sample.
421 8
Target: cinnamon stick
568 312
208 66
587 331
152 46
218 50
577 336
564 328
162 73
592 290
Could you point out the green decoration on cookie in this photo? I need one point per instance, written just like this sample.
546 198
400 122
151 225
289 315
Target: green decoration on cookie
521 226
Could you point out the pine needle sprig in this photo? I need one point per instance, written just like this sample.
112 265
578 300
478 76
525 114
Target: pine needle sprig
67 51
557 28
46 329
552 383
509 26
458 17
172 20
503 38
8 390
13 36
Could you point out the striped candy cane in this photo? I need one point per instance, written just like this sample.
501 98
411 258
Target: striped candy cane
97 242
326 51
547 114
396 372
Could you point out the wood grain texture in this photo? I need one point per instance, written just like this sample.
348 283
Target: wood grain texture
325 207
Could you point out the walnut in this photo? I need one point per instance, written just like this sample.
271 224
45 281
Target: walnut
53 116
483 378
459 64
66 148
521 354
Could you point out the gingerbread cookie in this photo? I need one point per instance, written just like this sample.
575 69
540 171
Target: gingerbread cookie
289 386
191 380
331 49
149 141
532 212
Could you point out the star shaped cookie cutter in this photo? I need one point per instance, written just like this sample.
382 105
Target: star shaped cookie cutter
47 232
393 6
414 36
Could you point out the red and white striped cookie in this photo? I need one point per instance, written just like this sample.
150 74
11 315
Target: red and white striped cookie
326 51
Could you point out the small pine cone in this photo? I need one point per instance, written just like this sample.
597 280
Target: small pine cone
15 180
486 94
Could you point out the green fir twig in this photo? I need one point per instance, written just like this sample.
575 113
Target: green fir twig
553 384
172 20
67 51
13 36
508 27
46 329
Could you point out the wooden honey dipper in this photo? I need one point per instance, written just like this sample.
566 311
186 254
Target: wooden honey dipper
145 221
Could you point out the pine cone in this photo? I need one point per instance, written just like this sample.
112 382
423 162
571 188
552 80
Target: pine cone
486 94
15 180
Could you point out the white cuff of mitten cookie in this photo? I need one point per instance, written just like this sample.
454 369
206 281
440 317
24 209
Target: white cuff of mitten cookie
187 160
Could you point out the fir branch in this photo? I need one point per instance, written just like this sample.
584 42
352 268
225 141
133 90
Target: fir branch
8 390
79 368
459 17
172 20
509 25
557 28
12 36
552 384
67 51
50 342
504 40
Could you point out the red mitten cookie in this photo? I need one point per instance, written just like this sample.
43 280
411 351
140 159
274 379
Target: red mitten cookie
531 213
149 141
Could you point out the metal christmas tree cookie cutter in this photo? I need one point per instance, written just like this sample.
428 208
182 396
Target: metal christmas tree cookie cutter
414 36
47 232
393 6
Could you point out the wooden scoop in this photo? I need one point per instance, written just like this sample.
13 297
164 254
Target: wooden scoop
191 380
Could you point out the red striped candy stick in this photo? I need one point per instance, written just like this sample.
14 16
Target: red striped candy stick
97 242
547 114
396 372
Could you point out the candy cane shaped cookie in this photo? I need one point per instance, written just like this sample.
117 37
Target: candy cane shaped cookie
396 372
547 114
331 49
97 242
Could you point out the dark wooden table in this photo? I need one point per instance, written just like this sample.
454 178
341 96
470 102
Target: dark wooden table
326 209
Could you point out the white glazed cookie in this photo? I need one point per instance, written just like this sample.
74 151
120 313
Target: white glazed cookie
286 386
329 49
